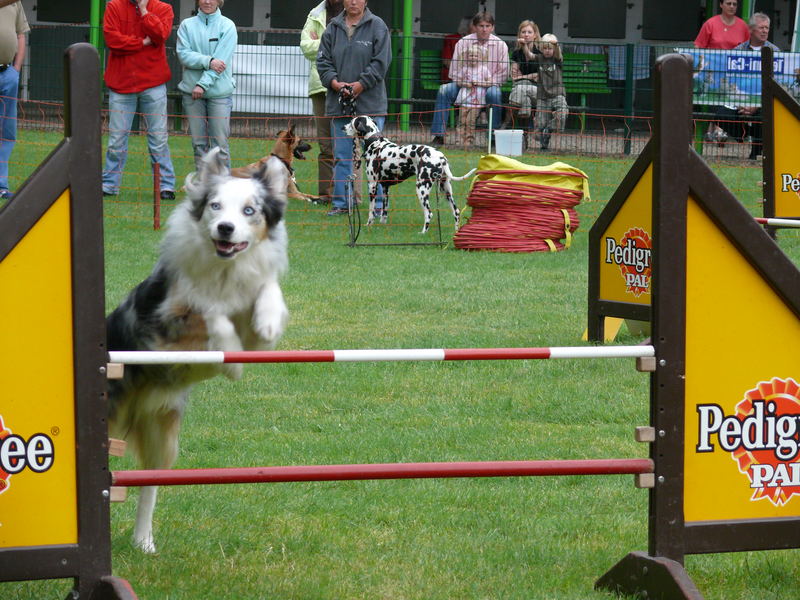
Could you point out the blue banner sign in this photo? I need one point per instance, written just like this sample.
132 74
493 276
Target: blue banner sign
733 77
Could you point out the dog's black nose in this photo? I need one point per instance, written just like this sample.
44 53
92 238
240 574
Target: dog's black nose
225 229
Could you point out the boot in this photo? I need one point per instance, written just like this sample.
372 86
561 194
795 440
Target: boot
524 123
545 139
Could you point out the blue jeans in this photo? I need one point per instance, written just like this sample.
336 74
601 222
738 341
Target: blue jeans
9 86
447 94
152 104
209 124
343 161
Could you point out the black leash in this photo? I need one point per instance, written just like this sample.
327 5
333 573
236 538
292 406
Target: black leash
348 104
346 101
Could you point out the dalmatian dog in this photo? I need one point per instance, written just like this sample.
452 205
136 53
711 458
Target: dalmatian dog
388 164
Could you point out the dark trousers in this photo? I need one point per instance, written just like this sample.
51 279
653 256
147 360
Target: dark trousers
739 126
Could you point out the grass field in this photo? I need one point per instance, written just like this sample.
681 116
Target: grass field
503 538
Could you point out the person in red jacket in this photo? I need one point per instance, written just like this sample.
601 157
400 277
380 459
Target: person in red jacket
136 75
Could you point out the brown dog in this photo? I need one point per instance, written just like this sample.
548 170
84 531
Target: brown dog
287 147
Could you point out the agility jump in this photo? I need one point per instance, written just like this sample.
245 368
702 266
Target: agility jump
394 355
619 282
701 500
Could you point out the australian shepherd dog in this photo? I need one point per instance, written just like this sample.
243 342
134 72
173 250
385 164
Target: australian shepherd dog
214 287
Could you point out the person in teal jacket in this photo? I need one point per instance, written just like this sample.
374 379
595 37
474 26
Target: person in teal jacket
206 43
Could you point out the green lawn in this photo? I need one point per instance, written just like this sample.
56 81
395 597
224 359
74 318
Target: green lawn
534 538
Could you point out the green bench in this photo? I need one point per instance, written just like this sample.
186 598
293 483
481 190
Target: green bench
430 73
585 74
430 69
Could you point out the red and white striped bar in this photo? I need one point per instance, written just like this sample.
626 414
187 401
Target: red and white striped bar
788 223
516 468
314 356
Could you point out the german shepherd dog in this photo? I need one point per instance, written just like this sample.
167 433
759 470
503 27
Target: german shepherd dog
215 287
288 146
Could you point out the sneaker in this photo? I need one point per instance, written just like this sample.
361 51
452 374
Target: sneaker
167 195
6 195
437 141
105 193
335 212
716 135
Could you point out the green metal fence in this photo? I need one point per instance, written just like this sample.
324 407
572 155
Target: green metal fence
609 87
272 74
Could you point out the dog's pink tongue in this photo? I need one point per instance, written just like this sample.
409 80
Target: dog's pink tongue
230 247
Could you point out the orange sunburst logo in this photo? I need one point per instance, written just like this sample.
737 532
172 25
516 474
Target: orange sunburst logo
770 426
636 265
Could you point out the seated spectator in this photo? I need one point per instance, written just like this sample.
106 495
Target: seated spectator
741 121
472 95
551 100
496 59
524 74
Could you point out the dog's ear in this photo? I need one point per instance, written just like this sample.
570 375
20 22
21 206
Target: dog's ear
199 183
289 136
275 177
196 194
212 164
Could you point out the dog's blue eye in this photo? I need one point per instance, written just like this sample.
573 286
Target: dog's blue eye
249 211
215 206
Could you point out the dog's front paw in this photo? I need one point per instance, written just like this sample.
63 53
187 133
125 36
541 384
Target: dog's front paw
270 327
233 371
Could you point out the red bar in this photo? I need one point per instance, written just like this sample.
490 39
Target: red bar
496 353
271 356
620 466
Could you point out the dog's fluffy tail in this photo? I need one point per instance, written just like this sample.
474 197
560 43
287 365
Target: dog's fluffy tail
454 178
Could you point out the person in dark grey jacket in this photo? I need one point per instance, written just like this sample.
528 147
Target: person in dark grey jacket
354 56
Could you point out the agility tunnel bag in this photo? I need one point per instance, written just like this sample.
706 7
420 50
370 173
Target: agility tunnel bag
518 207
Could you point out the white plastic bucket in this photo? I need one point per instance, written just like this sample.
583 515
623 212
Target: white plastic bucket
508 142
